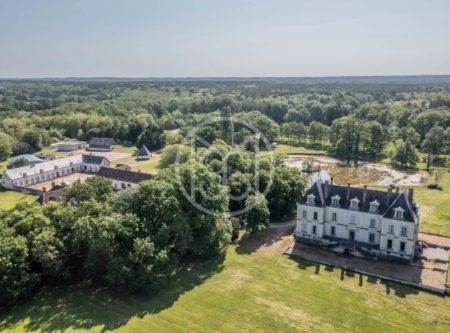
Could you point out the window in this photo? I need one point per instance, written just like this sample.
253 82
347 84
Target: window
310 199
303 227
404 231
333 216
398 213
315 215
304 214
335 200
389 244
354 203
391 229
374 206
123 185
314 229
372 223
333 231
371 238
402 246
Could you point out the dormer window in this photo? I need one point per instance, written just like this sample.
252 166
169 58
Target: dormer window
310 199
398 213
335 200
374 206
354 203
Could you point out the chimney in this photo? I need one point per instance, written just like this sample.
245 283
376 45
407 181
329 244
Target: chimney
388 196
411 194
365 194
348 191
44 189
53 184
397 189
326 189
139 170
332 180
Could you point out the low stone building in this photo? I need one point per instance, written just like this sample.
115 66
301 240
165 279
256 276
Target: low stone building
101 144
123 179
359 221
71 145
19 178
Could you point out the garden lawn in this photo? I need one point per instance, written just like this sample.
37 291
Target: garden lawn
148 166
435 205
245 293
8 199
281 148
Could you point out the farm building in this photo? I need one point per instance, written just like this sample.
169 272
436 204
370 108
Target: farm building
71 145
28 159
122 179
19 178
101 144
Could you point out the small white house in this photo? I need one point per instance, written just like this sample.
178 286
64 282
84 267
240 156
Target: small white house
359 221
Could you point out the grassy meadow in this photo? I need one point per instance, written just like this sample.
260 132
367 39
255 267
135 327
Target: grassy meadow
8 199
241 293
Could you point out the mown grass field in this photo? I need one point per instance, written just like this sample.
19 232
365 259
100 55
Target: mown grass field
283 148
435 205
243 293
8 199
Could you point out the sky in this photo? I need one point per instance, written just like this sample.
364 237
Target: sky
227 38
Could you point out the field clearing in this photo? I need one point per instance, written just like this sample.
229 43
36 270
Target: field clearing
435 205
8 199
269 292
280 148
148 166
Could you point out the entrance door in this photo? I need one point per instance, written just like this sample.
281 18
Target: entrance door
352 235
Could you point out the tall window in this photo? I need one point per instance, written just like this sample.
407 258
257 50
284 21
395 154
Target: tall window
333 216
333 231
314 229
389 244
402 246
303 227
372 223
310 199
354 203
391 229
371 238
304 214
404 231
315 215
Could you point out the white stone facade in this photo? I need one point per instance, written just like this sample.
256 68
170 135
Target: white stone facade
359 231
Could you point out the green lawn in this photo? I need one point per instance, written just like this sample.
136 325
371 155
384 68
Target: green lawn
148 166
435 205
281 148
244 293
8 199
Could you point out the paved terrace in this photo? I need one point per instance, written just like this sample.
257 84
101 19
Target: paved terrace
423 273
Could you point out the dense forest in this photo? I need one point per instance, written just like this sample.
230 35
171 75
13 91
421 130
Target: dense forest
358 117
135 239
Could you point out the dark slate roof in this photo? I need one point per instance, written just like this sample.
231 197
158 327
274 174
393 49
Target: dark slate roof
92 159
123 175
102 142
387 201
143 152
